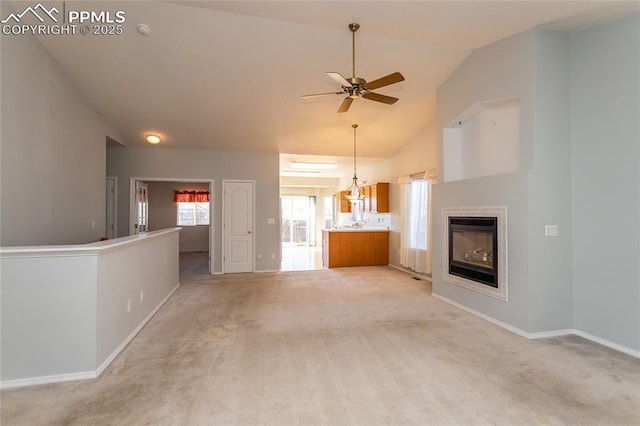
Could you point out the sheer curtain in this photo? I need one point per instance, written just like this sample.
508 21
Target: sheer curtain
415 221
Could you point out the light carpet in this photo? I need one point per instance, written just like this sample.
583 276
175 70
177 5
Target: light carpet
350 346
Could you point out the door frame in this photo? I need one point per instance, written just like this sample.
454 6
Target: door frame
114 209
135 214
253 219
132 191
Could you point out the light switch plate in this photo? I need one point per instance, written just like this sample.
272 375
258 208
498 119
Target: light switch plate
551 230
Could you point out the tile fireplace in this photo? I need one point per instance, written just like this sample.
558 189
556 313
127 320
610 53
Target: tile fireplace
475 242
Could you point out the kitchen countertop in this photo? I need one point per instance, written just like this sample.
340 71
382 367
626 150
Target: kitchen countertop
358 229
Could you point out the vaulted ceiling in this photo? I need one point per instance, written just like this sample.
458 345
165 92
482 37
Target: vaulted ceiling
229 75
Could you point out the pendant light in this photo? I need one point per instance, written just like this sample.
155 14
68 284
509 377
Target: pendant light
355 194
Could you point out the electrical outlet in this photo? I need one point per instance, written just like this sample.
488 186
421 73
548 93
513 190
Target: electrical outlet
273 255
141 296
129 305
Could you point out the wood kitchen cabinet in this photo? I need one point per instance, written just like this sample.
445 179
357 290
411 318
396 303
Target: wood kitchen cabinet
342 248
343 203
378 198
366 200
375 199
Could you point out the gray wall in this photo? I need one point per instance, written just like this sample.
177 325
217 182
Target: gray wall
48 315
605 115
501 70
550 278
579 170
168 164
53 151
149 266
163 213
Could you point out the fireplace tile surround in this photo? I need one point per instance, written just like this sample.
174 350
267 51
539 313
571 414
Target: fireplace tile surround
500 214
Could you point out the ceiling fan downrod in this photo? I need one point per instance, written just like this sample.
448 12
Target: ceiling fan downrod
353 27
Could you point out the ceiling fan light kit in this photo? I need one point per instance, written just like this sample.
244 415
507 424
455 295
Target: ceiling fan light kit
356 87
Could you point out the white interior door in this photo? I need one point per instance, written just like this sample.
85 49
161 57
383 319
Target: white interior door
238 226
142 208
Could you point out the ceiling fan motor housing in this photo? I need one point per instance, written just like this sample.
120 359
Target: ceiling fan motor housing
357 87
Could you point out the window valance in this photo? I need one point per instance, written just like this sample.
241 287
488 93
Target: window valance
191 197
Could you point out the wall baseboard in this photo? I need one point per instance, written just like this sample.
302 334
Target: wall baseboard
543 334
83 375
607 343
43 380
410 272
134 333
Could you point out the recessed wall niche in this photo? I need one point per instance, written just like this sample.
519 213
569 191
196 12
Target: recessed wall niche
484 140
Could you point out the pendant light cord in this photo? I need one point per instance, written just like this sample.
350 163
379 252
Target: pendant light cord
354 148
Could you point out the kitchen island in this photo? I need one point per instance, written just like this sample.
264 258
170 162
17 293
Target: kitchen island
355 246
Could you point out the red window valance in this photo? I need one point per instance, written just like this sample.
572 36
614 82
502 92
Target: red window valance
191 197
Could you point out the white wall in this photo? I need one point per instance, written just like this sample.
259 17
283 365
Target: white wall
605 143
483 141
53 151
163 213
170 164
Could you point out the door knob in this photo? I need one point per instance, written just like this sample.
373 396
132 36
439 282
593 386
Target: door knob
249 231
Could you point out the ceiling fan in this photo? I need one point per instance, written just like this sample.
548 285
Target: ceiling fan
358 87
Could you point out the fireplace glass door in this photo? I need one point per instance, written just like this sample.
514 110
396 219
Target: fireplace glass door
473 249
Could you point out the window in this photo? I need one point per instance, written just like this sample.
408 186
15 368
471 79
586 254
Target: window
192 207
418 202
327 213
192 214
415 253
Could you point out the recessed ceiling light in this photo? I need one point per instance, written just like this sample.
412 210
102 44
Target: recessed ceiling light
310 166
153 139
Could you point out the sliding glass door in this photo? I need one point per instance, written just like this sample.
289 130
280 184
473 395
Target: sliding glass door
298 221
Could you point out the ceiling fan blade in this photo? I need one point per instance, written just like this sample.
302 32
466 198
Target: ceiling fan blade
339 78
344 106
380 98
321 94
396 77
